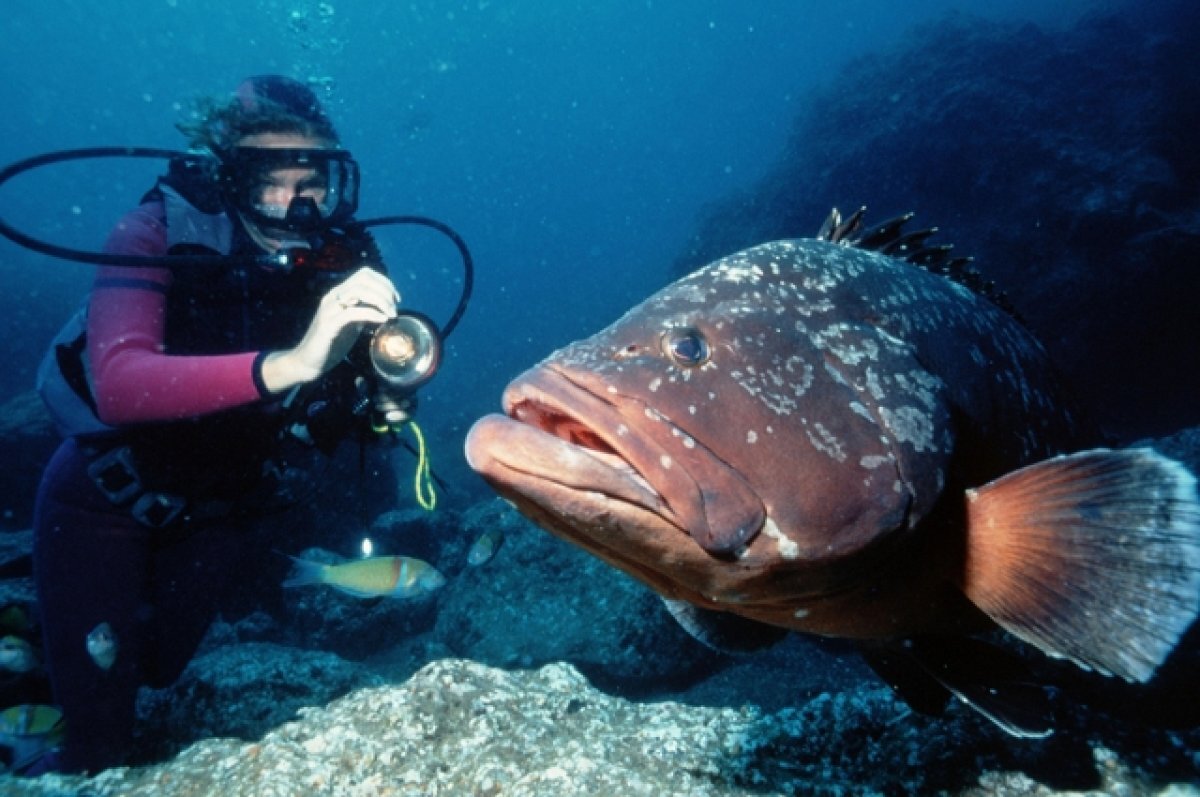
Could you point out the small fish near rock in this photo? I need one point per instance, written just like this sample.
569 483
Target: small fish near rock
17 655
485 547
848 436
370 577
102 646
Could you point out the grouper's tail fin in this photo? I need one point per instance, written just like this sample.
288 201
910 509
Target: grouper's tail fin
1093 557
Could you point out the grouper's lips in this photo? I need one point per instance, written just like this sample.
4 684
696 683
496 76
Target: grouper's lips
585 441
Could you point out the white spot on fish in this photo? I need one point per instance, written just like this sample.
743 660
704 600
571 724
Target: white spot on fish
751 437
825 441
655 384
837 375
873 385
787 547
859 409
685 438
910 425
740 273
665 461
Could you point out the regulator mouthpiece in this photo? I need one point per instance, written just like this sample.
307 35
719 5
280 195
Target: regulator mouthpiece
406 351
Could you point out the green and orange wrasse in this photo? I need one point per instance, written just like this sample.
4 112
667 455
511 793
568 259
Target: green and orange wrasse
371 577
30 731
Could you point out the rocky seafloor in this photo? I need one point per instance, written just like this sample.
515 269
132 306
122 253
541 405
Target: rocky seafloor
461 728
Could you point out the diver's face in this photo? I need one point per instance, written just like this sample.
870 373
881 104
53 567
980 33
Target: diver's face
274 189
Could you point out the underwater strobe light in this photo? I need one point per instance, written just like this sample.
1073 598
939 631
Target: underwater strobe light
406 352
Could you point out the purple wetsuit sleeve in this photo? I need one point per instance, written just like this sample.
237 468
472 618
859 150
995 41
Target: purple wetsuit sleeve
133 378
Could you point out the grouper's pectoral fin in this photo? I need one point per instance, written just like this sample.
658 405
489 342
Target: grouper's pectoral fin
926 671
1092 557
722 631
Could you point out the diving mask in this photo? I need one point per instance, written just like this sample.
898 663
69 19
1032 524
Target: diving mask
300 191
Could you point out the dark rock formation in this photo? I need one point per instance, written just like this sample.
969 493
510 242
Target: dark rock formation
28 439
541 600
1064 162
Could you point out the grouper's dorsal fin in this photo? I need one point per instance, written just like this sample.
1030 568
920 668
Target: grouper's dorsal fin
890 238
838 230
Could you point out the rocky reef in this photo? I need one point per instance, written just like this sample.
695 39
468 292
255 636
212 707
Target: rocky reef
461 728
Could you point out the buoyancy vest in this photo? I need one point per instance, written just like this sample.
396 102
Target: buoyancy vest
218 309
64 380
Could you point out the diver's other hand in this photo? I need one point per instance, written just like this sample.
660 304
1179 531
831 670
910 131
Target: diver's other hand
365 298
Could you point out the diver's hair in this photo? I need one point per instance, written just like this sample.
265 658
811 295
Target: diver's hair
217 125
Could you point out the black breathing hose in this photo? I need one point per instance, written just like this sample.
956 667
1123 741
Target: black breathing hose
161 261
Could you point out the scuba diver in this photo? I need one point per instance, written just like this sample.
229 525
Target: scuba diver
191 374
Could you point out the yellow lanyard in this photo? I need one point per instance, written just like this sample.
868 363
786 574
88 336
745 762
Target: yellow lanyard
423 480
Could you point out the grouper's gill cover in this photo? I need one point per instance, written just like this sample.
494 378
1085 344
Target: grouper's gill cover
794 433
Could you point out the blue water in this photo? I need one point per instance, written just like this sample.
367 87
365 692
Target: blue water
573 145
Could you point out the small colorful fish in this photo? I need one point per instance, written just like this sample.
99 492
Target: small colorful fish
485 547
29 720
17 655
372 577
29 731
102 646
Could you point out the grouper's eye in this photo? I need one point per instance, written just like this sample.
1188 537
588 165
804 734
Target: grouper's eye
686 347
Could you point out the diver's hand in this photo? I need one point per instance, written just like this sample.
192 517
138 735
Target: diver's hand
365 298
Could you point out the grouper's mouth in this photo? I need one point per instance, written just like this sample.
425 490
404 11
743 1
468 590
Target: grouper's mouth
602 461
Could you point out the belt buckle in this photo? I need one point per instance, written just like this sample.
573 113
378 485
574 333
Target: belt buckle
114 474
157 510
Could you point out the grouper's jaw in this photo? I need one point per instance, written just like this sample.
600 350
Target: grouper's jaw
592 497
533 413
697 491
586 494
587 438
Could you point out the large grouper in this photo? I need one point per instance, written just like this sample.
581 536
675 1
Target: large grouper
842 436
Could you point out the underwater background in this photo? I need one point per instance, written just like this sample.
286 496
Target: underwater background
573 145
589 153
